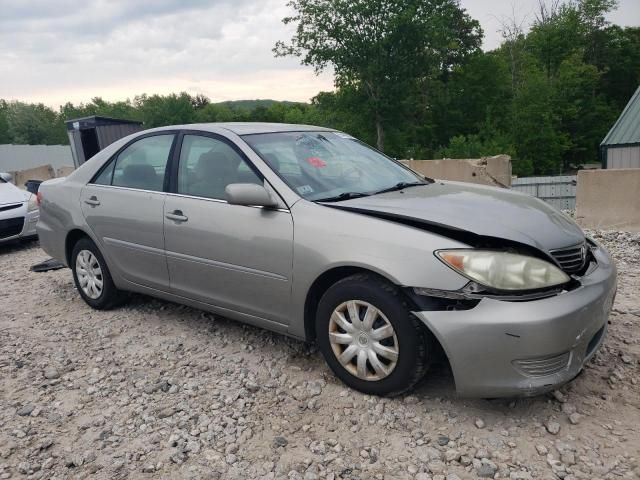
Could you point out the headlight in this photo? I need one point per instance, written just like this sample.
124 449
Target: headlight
32 203
502 270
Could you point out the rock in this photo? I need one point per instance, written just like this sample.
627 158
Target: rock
166 412
575 418
520 475
178 458
437 467
451 455
51 373
552 427
74 460
427 454
479 423
568 458
149 468
443 440
626 359
26 410
542 450
486 468
252 387
559 396
280 442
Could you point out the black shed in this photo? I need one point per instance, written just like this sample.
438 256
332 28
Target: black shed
89 135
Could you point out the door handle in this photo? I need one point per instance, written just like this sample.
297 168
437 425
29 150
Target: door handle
177 216
93 201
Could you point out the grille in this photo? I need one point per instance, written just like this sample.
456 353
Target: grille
571 259
11 227
4 208
543 366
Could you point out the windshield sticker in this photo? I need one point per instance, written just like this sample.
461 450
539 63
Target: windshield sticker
304 189
316 162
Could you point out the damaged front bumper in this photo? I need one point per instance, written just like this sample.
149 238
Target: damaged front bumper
521 348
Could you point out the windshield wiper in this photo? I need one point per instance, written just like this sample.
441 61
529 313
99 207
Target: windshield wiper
400 186
343 196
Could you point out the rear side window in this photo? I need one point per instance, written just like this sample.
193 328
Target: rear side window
208 165
141 165
106 175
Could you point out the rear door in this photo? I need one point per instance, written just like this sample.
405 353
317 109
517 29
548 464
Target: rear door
234 257
123 205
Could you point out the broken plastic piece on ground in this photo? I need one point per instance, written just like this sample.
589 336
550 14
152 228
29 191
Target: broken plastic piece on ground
51 264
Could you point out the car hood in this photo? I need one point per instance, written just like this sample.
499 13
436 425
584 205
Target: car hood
483 211
9 193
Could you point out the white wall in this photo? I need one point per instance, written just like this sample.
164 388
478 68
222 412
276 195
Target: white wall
22 157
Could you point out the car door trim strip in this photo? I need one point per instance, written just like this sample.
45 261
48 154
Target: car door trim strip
226 266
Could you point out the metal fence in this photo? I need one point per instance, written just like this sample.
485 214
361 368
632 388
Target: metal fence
558 191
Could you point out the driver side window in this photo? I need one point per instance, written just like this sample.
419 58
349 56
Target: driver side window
207 165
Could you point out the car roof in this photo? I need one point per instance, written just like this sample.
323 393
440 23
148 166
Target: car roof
248 128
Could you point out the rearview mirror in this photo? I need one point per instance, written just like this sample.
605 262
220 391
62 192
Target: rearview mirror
249 194
7 177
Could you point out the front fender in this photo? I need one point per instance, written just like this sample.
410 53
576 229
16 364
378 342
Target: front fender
326 238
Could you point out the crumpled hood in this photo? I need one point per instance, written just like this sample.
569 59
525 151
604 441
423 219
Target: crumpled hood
9 193
484 211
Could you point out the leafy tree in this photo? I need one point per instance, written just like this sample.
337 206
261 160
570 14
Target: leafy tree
380 46
5 136
160 110
34 124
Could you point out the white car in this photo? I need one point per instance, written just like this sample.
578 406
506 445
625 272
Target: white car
19 211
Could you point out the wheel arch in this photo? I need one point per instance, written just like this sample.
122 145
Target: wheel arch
323 282
73 236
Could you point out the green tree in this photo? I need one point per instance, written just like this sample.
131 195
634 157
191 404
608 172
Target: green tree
381 46
34 124
160 110
5 136
536 131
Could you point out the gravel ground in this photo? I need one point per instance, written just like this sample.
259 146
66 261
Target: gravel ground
159 390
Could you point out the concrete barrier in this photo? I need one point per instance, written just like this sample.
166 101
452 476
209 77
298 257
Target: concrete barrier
494 171
609 199
45 172
64 171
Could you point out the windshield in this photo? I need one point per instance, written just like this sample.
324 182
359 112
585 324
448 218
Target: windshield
329 165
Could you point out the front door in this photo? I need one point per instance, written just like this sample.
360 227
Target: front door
234 257
124 205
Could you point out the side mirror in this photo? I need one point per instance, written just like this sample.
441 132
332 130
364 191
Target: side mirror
249 194
7 177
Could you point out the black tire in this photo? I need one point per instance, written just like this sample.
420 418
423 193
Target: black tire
413 340
110 297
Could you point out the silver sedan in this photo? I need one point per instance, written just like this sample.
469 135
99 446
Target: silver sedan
309 232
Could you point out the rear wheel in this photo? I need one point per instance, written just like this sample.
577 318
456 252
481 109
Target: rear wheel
369 337
92 278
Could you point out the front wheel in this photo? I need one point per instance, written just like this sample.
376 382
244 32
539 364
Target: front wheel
369 337
92 278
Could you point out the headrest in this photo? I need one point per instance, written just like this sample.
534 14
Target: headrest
139 171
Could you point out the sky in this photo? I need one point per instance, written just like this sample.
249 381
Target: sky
64 50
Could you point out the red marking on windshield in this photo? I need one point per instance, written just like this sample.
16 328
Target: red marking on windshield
316 162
